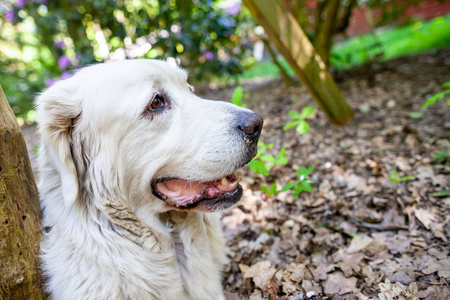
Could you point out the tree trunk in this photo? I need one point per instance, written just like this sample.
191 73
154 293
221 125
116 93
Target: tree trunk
20 216
326 16
285 32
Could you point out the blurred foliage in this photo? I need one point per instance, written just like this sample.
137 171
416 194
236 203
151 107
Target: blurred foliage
42 40
323 19
411 38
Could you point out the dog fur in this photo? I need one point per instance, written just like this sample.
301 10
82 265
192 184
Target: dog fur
106 235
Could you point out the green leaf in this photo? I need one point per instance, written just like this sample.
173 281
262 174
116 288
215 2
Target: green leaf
442 155
289 186
394 174
297 191
307 187
258 167
293 114
270 191
447 84
289 125
405 178
307 111
236 98
267 157
282 161
443 193
416 115
302 127
302 171
264 189
273 188
434 98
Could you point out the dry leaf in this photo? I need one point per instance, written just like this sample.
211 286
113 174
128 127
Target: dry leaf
398 291
337 283
425 217
260 273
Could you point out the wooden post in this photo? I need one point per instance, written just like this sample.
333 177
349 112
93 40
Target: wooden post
284 31
20 216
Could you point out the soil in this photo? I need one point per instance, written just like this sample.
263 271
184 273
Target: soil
358 235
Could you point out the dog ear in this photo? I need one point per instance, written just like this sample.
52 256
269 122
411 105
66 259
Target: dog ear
57 108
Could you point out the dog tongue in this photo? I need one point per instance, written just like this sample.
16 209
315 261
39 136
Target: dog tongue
180 192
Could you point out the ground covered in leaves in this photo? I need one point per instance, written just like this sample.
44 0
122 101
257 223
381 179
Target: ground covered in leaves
358 235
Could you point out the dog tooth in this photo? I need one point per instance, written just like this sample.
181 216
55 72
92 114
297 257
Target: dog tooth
224 181
233 184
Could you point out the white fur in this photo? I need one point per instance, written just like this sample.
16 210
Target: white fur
105 235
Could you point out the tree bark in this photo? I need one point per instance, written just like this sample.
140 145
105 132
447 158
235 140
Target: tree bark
285 32
325 22
20 216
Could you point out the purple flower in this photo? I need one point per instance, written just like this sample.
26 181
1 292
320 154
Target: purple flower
50 82
59 44
209 55
10 16
65 75
78 56
20 3
234 10
64 62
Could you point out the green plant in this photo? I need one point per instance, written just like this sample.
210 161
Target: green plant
299 119
262 163
272 190
302 184
394 177
237 96
432 100
298 186
442 156
438 96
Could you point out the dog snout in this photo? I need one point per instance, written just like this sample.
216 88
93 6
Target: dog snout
250 124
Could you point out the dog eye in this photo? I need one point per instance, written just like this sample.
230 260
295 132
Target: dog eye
157 103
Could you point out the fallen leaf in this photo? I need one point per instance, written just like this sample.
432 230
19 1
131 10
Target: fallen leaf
424 216
337 283
366 243
260 273
398 291
429 265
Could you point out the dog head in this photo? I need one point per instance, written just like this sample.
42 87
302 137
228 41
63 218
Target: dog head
134 130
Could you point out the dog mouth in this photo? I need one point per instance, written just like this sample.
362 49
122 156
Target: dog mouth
200 195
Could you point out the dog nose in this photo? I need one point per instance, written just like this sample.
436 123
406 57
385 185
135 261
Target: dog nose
250 124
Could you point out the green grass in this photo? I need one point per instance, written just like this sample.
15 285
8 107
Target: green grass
387 44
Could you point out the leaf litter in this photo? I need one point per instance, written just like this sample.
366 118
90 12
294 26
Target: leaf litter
358 235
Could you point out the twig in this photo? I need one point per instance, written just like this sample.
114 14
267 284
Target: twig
379 227
334 229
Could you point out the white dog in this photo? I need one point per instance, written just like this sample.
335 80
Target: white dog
131 160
